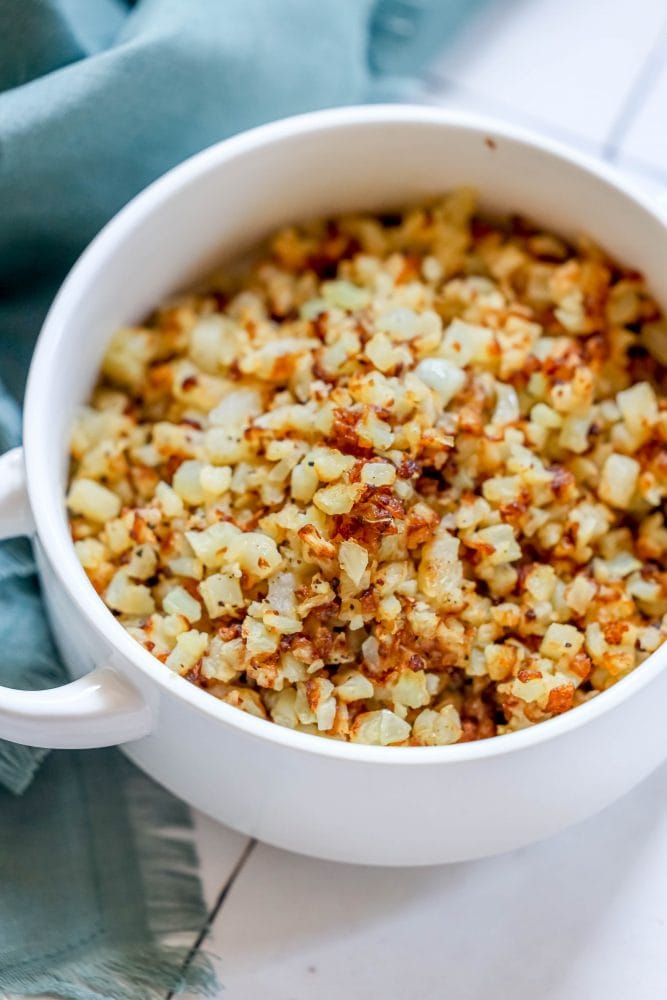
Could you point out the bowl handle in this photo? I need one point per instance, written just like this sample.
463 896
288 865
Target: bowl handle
98 710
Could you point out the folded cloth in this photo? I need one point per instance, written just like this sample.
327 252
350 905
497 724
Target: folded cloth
92 887
97 98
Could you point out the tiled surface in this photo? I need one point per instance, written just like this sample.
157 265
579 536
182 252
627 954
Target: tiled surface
580 917
645 141
591 72
219 851
583 916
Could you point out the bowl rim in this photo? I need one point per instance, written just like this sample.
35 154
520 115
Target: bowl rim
51 524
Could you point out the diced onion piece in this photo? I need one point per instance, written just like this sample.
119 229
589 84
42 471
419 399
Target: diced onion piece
127 597
408 687
639 408
212 544
442 375
255 553
497 544
619 480
465 342
189 649
440 572
215 480
236 408
433 728
168 499
354 687
378 474
179 602
92 500
507 405
354 560
337 499
379 728
561 640
187 482
221 592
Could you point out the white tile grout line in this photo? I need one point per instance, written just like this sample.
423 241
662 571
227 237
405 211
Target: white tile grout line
217 906
638 93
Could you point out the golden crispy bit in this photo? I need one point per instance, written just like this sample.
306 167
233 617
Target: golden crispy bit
421 522
315 544
560 699
377 513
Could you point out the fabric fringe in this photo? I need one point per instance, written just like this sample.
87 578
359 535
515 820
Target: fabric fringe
146 973
162 827
18 765
163 839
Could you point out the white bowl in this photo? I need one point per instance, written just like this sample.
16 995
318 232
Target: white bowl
397 806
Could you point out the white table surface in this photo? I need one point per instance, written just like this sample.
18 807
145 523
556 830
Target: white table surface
582 916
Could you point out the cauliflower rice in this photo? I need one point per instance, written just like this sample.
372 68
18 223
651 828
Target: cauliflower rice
398 481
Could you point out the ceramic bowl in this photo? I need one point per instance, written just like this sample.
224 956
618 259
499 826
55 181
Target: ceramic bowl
375 805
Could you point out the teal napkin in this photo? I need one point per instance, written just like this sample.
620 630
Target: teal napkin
97 98
92 887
